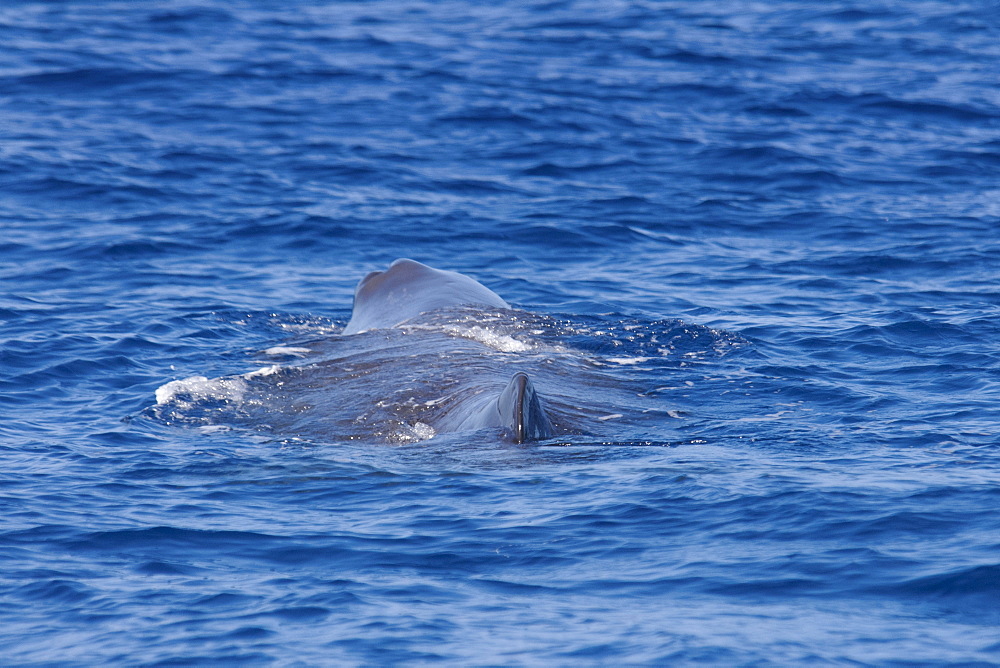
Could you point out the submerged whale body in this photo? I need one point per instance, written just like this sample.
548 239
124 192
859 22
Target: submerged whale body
409 289
434 354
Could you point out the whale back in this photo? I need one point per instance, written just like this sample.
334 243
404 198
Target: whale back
385 299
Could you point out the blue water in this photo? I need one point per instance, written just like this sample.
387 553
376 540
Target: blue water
760 243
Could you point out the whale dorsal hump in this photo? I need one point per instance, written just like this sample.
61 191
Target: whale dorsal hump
408 288
521 411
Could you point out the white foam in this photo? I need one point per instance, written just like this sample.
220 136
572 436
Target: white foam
423 431
200 387
287 350
418 431
263 371
629 360
502 342
313 328
213 428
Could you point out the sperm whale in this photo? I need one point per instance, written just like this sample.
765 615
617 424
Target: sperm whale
408 289
434 354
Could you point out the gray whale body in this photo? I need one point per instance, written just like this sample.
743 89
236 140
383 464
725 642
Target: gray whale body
430 353
408 290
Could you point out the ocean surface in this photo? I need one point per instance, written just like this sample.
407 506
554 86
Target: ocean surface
753 256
